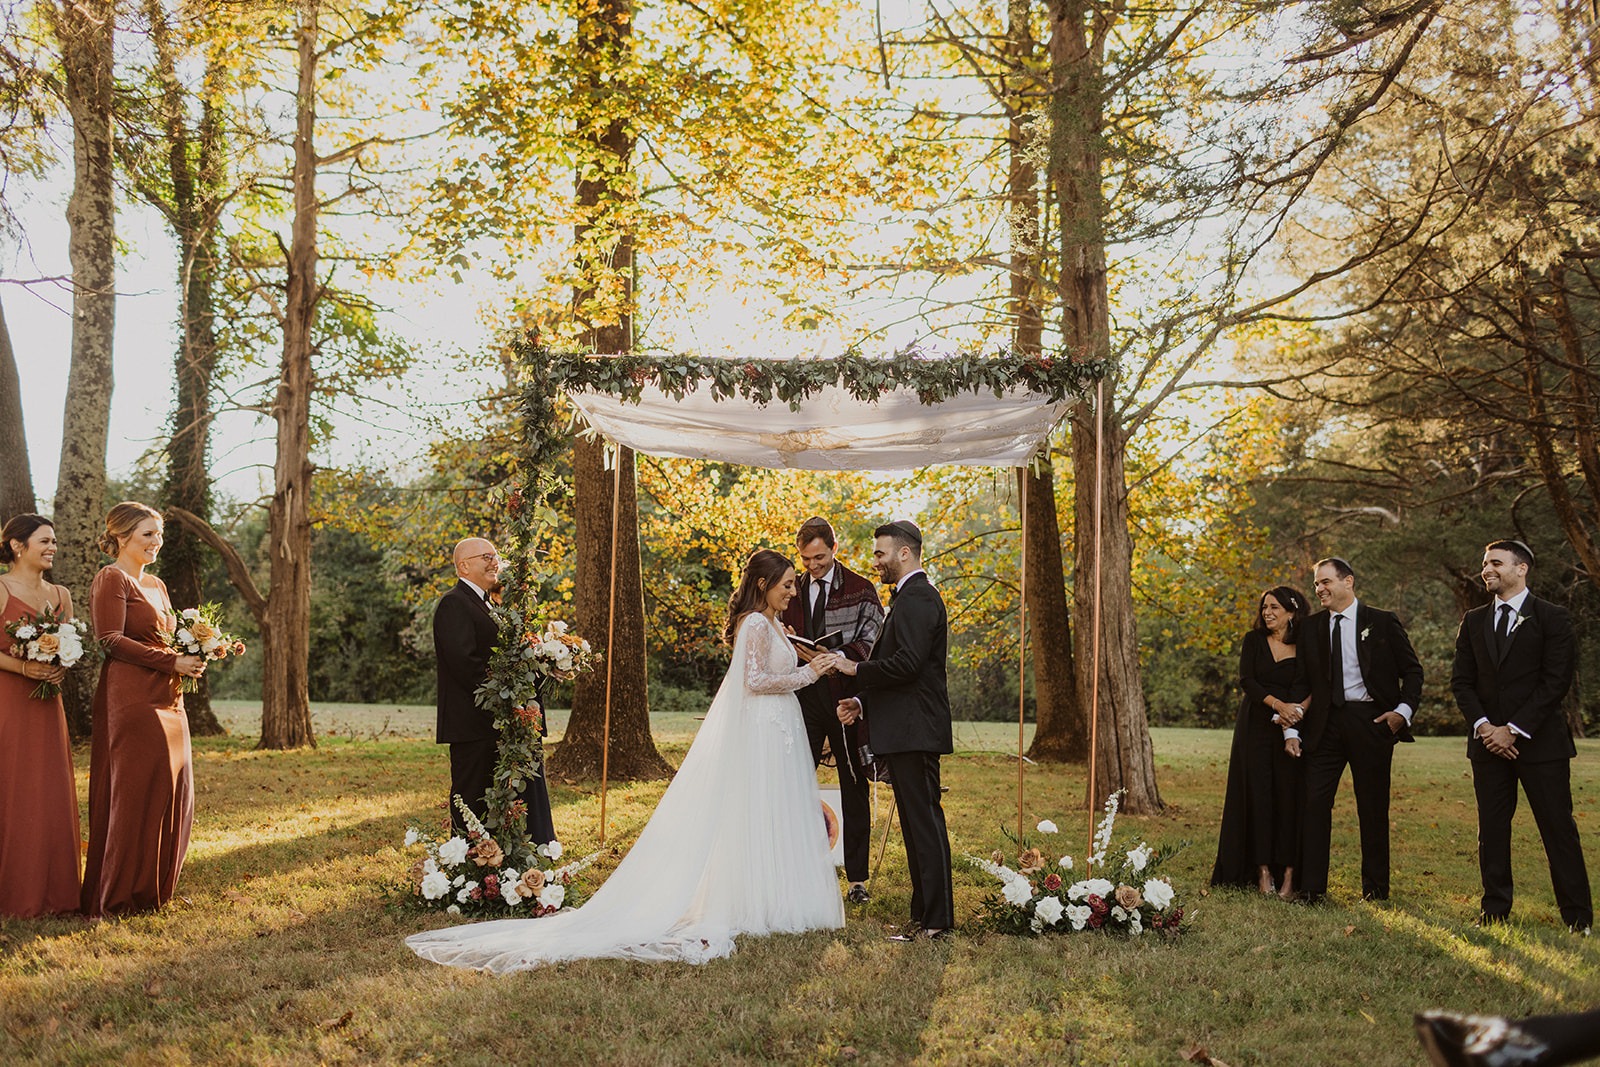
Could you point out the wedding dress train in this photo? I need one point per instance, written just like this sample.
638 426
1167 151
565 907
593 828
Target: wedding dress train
736 846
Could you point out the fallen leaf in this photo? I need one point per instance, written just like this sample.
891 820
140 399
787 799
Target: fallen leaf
1369 1018
153 988
1348 930
337 1024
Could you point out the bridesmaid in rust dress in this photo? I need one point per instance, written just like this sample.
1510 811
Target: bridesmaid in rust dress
141 788
38 799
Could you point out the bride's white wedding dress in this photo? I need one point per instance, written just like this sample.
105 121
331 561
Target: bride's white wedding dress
736 846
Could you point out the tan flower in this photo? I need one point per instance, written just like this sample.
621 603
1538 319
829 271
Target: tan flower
1128 897
531 882
487 853
998 858
202 630
1030 861
49 645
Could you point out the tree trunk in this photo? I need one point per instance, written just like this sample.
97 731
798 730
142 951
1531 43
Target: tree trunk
604 305
191 205
1124 758
285 639
85 29
1060 732
16 473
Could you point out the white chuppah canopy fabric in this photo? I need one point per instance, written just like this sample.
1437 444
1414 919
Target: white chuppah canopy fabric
831 431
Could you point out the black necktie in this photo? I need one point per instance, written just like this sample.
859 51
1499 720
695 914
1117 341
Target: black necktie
1502 628
1336 663
819 610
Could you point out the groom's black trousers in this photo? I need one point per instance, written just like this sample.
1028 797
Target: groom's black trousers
820 712
916 795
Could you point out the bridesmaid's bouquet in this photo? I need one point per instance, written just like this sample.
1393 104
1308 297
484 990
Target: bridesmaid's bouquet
199 633
46 638
1119 892
558 653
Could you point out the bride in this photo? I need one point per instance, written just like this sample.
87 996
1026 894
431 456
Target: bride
737 844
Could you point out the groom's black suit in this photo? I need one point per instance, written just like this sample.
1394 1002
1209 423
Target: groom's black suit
463 637
1522 682
1336 731
907 708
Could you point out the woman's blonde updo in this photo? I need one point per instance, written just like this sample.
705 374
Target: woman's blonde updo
120 524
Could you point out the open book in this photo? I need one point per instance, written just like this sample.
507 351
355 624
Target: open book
827 640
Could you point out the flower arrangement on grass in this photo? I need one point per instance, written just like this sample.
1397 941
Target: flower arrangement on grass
199 633
46 638
474 875
1119 893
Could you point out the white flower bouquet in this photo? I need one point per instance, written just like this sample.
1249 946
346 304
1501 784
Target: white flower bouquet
1120 891
473 875
199 633
47 638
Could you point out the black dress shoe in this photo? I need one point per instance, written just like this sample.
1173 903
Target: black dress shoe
1453 1040
858 895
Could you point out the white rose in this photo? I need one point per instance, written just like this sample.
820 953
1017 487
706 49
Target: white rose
466 892
552 648
435 885
191 614
1065 863
35 653
1157 893
411 836
1036 924
428 866
585 646
1049 909
1090 887
1135 927
184 637
461 879
551 849
209 645
558 626
1140 856
453 910
1017 891
1078 915
508 889
26 632
453 853
1047 827
71 647
552 895
1118 914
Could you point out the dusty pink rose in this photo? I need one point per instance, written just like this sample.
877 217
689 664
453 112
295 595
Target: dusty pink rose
49 645
530 883
1128 897
487 853
1030 861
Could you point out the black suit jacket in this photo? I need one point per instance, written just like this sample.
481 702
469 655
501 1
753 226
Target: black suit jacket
903 682
463 636
1524 685
1389 667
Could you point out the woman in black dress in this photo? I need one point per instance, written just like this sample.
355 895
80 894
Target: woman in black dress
1260 837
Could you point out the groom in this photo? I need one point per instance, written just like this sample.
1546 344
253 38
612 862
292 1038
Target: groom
464 634
904 700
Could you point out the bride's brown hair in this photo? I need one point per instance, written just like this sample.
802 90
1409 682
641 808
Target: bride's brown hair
764 569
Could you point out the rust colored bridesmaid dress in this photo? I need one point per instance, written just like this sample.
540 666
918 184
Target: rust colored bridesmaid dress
38 798
141 786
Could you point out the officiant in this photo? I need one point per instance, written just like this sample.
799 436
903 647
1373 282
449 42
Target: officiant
839 608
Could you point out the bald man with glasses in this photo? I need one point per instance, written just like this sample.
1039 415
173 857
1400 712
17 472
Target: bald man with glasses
464 632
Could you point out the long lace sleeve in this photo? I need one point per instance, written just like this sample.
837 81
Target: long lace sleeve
760 676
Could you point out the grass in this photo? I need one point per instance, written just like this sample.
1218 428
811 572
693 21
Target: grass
284 948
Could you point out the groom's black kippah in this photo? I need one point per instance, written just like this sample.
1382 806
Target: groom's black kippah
907 529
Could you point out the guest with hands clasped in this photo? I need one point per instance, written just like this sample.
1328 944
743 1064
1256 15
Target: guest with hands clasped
1514 663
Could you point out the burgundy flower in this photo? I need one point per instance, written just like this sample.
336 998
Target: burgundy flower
1052 882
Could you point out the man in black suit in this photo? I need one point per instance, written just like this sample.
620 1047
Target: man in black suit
1513 666
907 707
831 597
1365 682
464 634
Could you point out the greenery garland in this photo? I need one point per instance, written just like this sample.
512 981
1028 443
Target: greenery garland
933 377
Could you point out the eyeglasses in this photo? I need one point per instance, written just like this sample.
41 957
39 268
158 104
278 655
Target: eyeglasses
488 557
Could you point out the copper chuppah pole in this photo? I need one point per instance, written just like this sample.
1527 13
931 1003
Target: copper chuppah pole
611 630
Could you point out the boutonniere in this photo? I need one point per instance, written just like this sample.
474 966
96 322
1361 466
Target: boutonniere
1516 622
1365 632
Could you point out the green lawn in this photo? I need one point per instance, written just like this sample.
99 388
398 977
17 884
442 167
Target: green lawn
285 948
